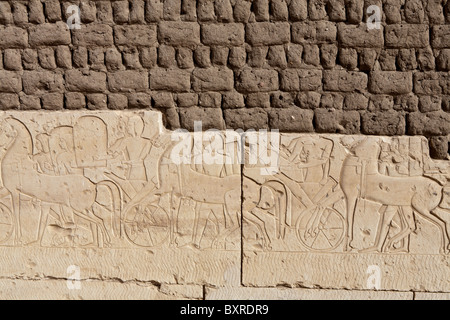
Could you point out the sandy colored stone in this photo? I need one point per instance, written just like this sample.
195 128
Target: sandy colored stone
431 296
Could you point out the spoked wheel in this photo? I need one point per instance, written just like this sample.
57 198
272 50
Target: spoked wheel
147 225
6 223
321 229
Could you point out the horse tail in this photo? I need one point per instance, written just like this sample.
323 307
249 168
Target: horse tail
116 193
284 211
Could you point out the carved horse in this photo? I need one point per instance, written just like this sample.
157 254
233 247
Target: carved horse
72 191
360 179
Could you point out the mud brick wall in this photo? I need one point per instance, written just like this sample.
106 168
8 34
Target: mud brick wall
293 65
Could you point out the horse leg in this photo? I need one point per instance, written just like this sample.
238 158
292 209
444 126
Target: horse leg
88 215
351 207
45 210
260 224
427 214
407 217
201 218
15 197
387 214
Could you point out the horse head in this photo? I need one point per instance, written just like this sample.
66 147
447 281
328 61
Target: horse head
12 131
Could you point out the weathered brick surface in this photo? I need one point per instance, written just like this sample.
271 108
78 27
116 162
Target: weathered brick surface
236 55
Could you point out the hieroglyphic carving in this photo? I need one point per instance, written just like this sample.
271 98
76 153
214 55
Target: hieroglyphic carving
106 179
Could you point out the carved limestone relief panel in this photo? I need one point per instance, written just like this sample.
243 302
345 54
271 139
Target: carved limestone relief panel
337 205
101 189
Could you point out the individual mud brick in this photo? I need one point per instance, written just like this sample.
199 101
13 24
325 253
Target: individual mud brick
277 57
52 10
153 10
257 56
176 80
435 12
242 11
429 124
232 99
137 11
261 10
279 10
63 57
311 54
52 101
134 35
406 59
308 100
226 34
267 33
127 81
29 102
407 36
185 100
96 58
166 56
96 101
104 12
337 121
210 100
246 119
367 59
328 54
96 35
171 118
189 10
355 101
185 58
12 59
317 31
392 11
406 102
117 101
282 99
148 56
202 56
179 33
9 101
257 100
139 100
212 79
10 82
205 10
38 82
131 58
85 81
219 55
80 57
440 36
13 37
336 10
47 58
74 100
446 103
121 11
88 12
355 10
20 13
30 59
360 36
348 58
388 123
439 147
298 10
113 60
381 102
223 10
414 11
428 83
291 120
237 57
345 81
50 34
317 9
36 12
443 60
171 10
257 80
332 100
389 82
163 100
387 59
6 16
211 118
301 79
429 103
294 54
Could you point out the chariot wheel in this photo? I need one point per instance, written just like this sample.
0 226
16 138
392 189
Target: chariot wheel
147 225
321 230
6 223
